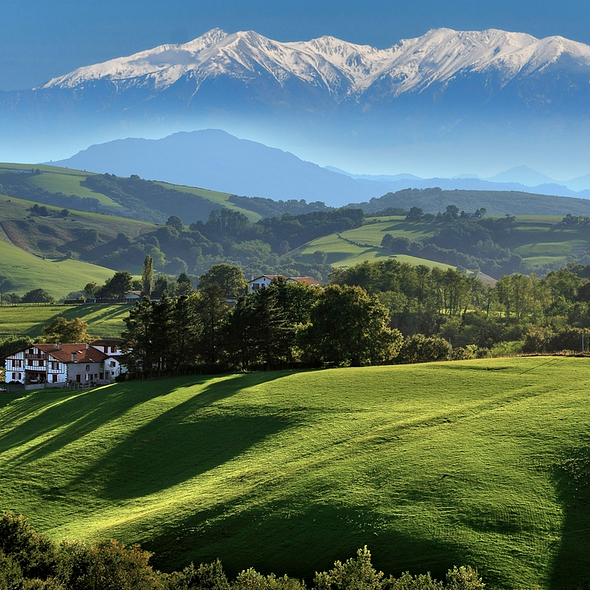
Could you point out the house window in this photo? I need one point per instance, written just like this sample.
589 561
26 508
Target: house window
54 378
41 363
113 364
14 376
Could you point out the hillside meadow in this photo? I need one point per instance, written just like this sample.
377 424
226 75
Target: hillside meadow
21 272
105 321
477 462
538 239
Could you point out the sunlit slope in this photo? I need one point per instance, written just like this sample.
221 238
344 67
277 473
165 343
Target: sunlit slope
105 321
479 462
364 243
55 179
24 272
539 239
41 234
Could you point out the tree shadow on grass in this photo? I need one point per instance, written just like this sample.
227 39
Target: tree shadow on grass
279 539
72 416
187 440
571 567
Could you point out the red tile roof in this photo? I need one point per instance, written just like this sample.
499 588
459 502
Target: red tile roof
63 352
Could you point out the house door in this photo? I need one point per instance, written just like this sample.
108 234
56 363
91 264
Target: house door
77 378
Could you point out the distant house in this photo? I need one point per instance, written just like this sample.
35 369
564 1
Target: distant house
132 296
60 365
265 280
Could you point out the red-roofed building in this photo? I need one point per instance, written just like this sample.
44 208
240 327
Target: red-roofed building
60 365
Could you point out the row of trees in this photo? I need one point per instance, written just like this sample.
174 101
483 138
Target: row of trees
29 560
283 325
373 313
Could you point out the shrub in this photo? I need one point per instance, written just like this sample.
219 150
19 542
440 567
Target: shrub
422 349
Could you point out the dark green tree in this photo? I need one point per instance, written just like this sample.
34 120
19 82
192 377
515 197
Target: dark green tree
147 275
350 327
230 279
37 296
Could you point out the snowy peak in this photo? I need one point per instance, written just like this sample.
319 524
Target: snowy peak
339 68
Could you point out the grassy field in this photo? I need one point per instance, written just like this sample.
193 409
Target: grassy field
105 321
342 253
480 462
66 180
537 238
221 199
25 272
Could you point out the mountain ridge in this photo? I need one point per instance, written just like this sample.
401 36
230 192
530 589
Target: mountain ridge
222 162
456 100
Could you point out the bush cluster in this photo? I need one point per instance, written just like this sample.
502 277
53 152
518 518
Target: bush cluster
31 561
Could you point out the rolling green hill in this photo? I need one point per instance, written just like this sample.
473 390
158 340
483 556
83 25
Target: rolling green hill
34 251
364 243
105 321
480 462
54 179
538 239
23 272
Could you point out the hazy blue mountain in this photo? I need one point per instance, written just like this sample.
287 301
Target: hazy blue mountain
524 175
216 160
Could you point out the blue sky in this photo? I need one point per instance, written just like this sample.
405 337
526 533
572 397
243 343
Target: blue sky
46 38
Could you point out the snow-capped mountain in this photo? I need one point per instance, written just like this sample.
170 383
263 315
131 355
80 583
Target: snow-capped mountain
492 93
336 68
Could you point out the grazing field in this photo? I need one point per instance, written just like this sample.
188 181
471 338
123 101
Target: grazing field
342 253
478 462
55 179
538 239
23 272
105 321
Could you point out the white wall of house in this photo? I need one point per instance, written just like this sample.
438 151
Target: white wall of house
259 283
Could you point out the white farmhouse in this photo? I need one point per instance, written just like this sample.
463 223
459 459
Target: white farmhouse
61 365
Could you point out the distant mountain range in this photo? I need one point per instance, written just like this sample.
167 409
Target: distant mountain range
491 93
219 161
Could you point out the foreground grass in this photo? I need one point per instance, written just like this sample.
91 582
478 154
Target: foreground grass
105 321
480 462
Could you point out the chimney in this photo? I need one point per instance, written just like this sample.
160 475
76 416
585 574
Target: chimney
59 346
87 346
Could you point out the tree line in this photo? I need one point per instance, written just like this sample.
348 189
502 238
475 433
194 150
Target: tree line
32 561
383 312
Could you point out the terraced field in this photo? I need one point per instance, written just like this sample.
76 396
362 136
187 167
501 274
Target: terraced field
480 462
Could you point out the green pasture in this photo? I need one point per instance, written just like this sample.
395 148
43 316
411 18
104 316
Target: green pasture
537 238
476 462
221 199
104 321
398 227
343 254
24 272
59 180
38 235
